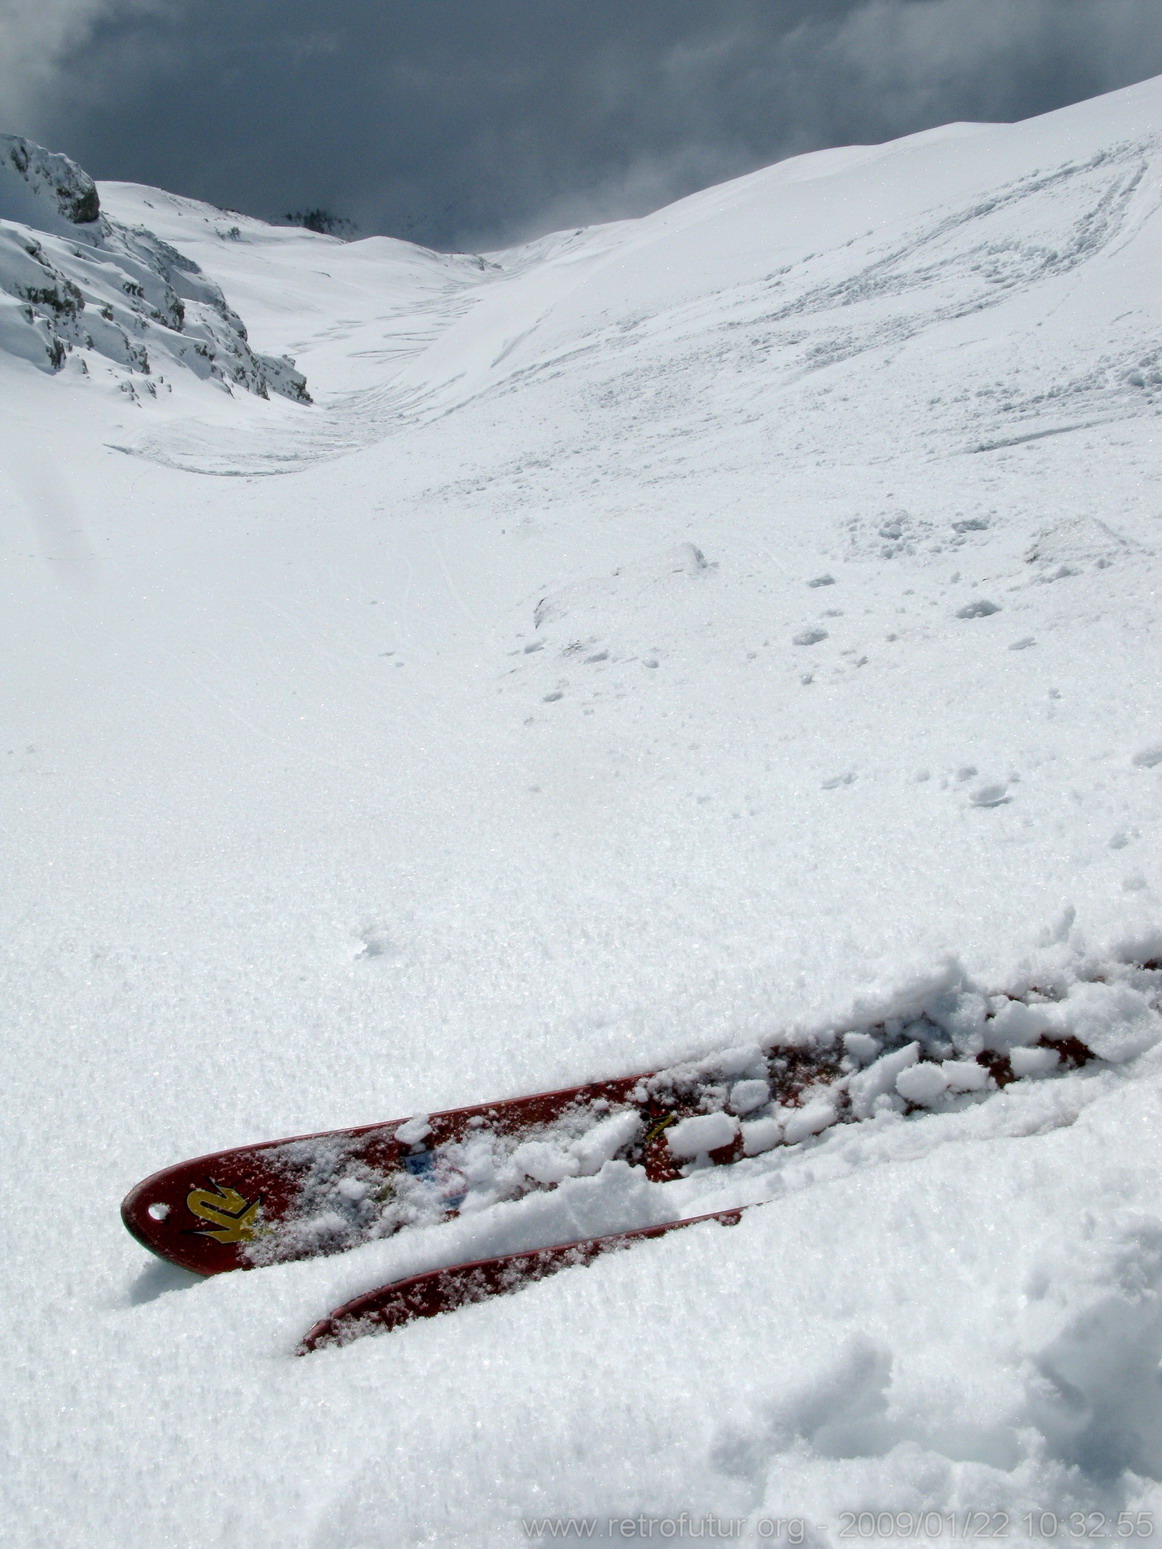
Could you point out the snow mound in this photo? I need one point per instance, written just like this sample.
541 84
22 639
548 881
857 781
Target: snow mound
71 280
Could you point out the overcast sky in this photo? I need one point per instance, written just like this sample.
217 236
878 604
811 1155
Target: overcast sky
471 123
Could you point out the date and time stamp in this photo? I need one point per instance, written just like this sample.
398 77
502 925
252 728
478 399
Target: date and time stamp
989 1526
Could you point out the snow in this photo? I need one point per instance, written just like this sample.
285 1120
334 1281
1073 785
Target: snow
746 1096
414 1130
701 1134
445 739
924 1084
110 293
810 1119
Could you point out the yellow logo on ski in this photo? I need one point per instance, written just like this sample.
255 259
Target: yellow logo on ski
670 1118
234 1217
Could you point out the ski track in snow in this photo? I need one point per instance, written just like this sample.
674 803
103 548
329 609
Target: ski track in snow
658 639
892 293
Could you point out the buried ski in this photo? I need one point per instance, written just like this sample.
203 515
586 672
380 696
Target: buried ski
324 1193
428 1295
319 1194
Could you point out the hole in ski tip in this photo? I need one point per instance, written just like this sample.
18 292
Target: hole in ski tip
158 1212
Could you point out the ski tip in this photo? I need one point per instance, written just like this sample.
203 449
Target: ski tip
192 1218
327 1331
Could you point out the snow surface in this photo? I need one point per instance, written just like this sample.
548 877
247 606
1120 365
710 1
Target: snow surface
731 624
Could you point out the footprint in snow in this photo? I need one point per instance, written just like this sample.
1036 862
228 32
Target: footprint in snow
376 943
993 795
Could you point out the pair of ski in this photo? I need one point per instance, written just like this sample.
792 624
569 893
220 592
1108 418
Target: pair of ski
320 1194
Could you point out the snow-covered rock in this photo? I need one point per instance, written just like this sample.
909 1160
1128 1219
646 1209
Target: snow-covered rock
75 283
45 189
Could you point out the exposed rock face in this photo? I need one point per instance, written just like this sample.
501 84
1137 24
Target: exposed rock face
72 279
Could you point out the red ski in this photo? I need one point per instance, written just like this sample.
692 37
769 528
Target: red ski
320 1194
444 1290
324 1193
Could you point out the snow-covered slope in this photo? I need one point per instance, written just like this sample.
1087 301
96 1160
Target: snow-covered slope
660 638
72 280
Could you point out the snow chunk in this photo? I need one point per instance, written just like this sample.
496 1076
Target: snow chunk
1014 1023
799 1123
746 1096
605 1140
1147 758
922 1084
1033 1062
760 1135
545 1162
879 1080
862 1047
980 609
413 1130
809 637
965 1075
1113 1020
704 1132
961 1014
745 1060
939 992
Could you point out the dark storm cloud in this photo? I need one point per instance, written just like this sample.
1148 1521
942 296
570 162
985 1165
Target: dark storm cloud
465 123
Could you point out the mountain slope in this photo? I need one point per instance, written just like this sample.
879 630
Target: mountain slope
789 279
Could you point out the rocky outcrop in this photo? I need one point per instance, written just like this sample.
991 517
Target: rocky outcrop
72 280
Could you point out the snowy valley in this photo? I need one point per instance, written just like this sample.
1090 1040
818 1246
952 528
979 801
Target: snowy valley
436 678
